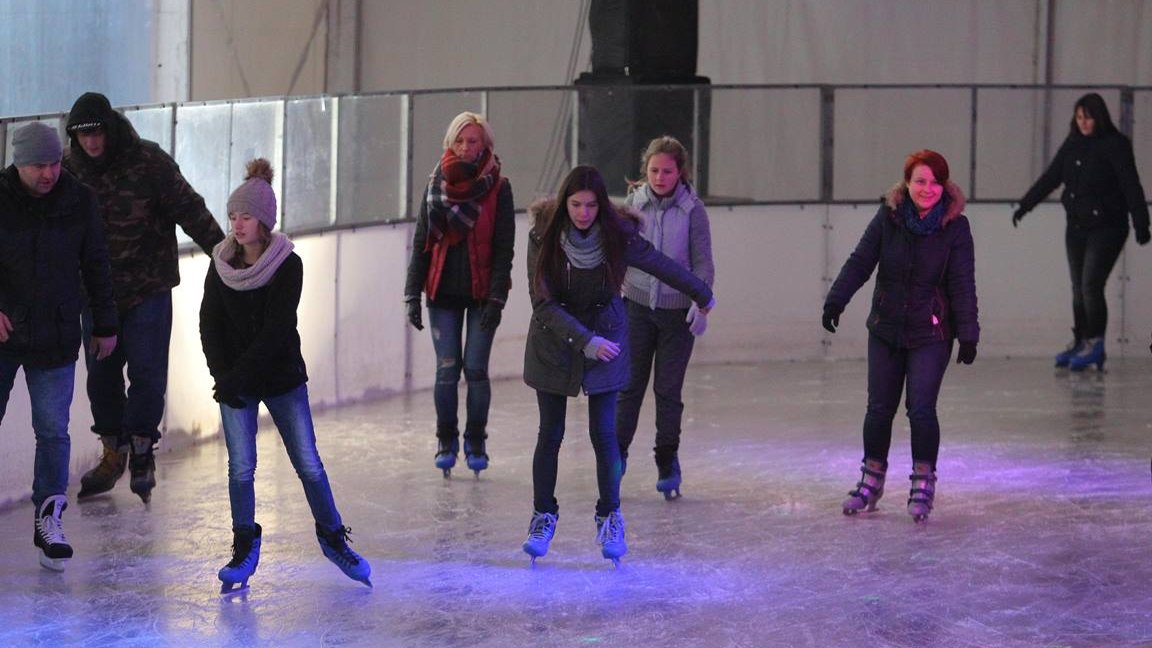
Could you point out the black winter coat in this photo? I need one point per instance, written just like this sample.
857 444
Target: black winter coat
585 305
52 252
455 289
249 336
1101 186
926 286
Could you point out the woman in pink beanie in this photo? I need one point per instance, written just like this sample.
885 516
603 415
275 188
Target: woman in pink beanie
248 331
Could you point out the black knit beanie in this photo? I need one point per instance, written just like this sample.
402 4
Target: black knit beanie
91 111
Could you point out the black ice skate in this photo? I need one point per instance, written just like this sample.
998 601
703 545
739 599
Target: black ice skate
142 465
334 544
474 453
49 534
245 556
668 472
447 447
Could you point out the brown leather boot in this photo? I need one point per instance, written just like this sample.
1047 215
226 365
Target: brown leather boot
103 477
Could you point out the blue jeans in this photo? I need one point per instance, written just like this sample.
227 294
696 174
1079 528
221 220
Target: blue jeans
889 369
293 418
50 392
455 351
1092 253
545 462
145 334
659 336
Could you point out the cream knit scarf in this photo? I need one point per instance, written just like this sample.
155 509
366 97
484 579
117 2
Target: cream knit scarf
256 275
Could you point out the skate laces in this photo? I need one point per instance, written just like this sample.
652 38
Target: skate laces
611 528
337 542
51 528
542 527
241 553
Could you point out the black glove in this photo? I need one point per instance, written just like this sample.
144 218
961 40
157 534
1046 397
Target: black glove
831 317
1017 215
1143 236
490 316
415 316
967 353
227 398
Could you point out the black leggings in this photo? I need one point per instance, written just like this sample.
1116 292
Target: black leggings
1092 254
545 462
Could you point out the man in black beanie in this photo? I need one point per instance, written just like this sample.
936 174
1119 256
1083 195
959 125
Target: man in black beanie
143 196
52 252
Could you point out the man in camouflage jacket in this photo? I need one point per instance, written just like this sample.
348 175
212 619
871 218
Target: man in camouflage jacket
143 197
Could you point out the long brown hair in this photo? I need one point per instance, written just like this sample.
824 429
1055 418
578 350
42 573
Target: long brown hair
550 264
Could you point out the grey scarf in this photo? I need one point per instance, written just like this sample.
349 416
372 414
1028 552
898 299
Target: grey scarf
585 250
257 275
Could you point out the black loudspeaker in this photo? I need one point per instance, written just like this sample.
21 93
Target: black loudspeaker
639 49
651 39
617 119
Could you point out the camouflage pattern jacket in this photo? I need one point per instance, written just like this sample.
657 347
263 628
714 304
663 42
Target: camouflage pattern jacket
143 196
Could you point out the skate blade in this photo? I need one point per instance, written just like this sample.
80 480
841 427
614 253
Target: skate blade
366 581
53 564
85 493
671 494
229 588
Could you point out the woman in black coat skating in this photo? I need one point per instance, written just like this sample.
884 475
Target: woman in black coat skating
1101 188
925 297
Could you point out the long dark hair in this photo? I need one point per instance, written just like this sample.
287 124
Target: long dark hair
1093 105
550 264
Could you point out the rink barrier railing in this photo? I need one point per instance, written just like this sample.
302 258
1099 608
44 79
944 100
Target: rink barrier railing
347 161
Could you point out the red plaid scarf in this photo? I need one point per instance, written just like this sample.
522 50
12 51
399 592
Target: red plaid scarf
455 191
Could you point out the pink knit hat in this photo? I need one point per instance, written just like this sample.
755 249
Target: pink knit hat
255 196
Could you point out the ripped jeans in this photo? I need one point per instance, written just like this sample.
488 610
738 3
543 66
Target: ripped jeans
456 352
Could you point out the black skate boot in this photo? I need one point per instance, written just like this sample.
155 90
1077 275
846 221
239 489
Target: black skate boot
142 465
923 493
334 544
869 489
245 556
668 471
474 451
447 447
48 535
103 477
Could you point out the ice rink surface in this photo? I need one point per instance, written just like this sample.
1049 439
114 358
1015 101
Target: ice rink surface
1041 537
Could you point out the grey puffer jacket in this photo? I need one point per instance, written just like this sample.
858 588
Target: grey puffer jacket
585 305
678 227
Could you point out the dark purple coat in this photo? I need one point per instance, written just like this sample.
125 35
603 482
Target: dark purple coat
925 286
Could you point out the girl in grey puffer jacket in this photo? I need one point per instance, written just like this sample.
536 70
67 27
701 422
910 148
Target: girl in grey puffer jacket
663 323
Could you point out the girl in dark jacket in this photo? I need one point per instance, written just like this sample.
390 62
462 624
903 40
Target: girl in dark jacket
925 296
248 331
462 260
578 251
1101 187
